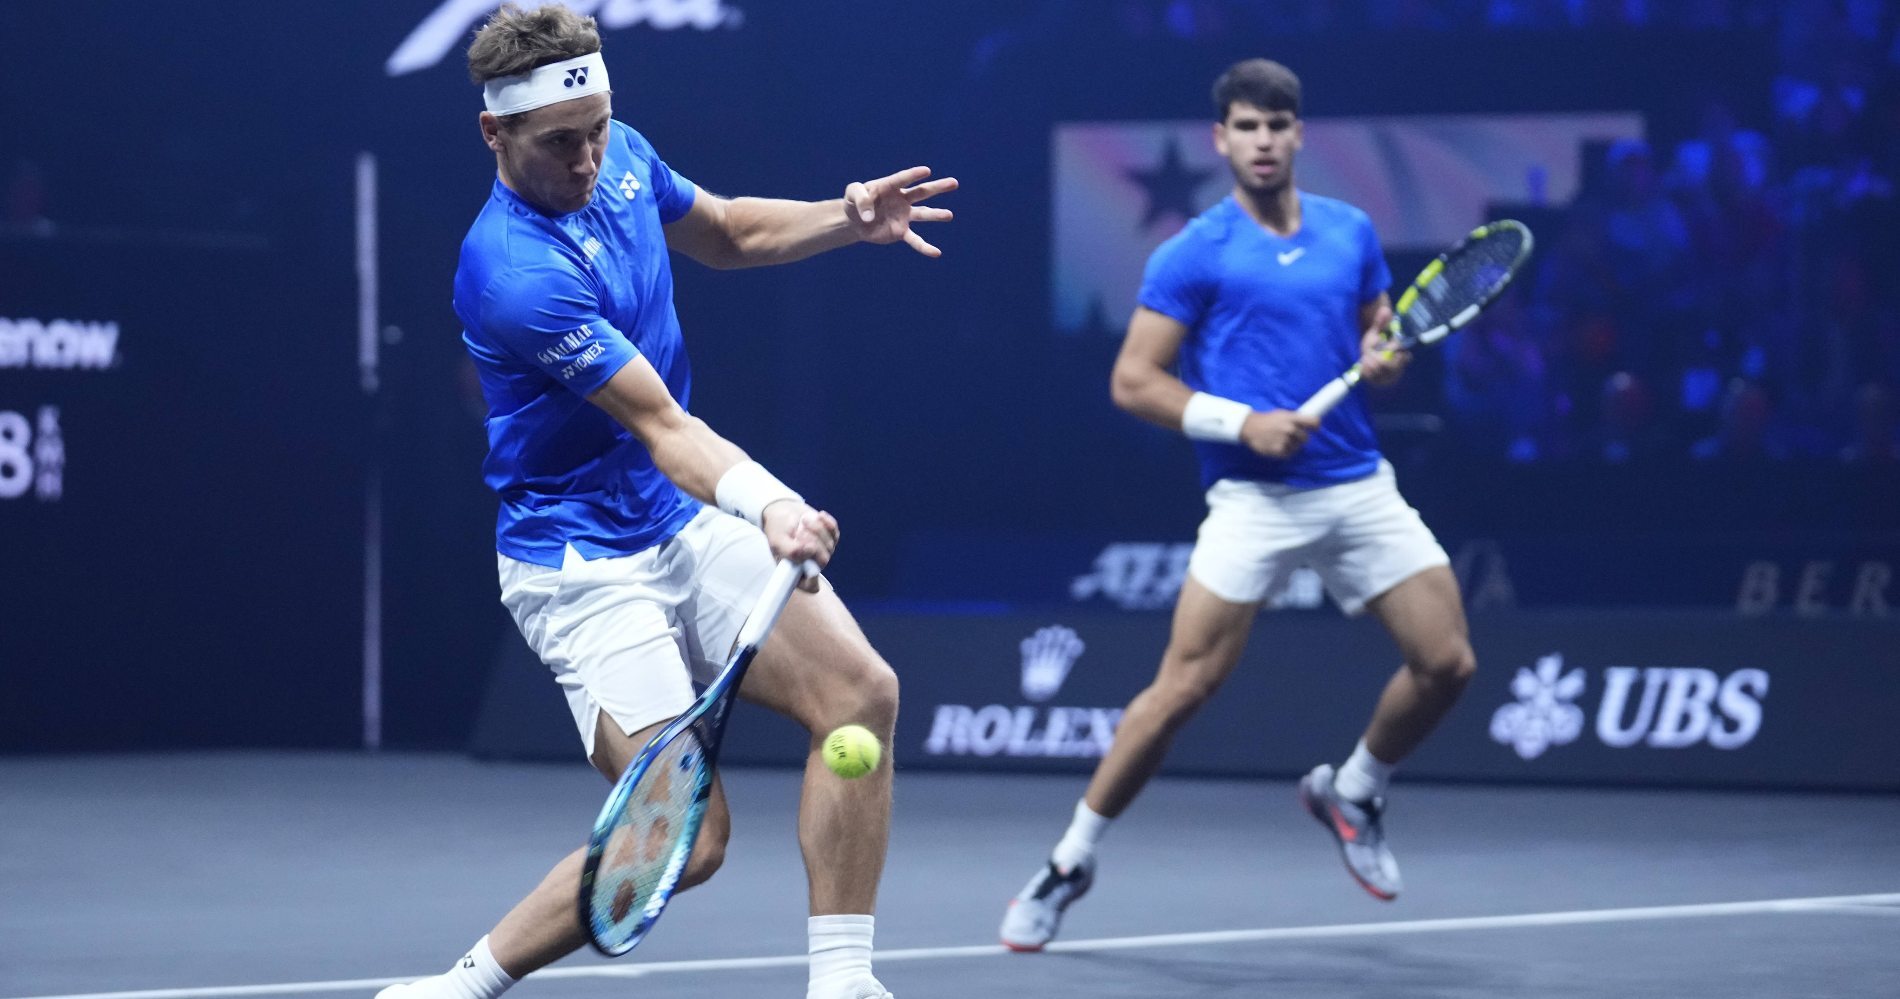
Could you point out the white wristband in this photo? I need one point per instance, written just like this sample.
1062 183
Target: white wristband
1212 418
747 489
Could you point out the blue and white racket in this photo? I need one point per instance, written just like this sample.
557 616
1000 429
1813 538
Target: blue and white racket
644 835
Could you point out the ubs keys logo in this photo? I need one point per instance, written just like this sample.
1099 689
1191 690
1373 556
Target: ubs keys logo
1545 714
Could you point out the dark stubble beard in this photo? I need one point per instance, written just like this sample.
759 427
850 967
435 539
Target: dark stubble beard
1266 191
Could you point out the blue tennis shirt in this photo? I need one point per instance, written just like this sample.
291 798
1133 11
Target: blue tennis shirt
1270 320
552 307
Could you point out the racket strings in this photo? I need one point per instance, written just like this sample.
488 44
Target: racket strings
1467 279
1484 265
646 852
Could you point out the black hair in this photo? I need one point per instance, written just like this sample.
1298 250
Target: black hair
1260 82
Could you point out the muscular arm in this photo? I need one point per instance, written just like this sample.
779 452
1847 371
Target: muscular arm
753 232
1143 385
728 233
688 452
684 448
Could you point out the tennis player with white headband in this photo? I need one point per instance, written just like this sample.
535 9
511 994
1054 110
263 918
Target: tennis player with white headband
632 538
581 76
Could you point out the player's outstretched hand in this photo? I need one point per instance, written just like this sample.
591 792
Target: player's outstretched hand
1378 362
882 210
799 533
1277 433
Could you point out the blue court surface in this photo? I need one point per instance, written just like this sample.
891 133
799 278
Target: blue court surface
255 874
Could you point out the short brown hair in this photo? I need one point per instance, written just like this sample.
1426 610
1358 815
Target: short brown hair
1260 82
515 41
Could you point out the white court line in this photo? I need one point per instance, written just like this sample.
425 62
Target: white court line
1862 908
1822 904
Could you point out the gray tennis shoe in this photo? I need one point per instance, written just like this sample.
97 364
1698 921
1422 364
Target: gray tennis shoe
1036 912
1359 831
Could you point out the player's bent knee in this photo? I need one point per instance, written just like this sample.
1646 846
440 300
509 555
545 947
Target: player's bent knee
862 692
1194 670
1452 667
878 692
1184 695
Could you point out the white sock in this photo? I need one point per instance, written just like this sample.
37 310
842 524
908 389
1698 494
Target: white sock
475 976
1363 776
840 953
1078 844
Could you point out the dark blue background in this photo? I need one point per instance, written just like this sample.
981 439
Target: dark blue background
215 598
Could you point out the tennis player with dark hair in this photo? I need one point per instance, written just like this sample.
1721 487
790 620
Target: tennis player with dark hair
1258 302
632 538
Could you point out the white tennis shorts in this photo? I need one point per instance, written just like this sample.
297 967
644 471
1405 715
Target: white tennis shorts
630 635
1361 537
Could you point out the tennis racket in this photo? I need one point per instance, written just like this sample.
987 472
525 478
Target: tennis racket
1446 295
646 830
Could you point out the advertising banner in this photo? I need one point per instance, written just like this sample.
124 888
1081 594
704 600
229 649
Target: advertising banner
1678 698
179 497
1811 575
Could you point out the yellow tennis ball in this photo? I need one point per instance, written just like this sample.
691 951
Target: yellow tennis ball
852 751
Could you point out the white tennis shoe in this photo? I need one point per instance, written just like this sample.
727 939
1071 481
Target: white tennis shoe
862 988
1358 829
1035 913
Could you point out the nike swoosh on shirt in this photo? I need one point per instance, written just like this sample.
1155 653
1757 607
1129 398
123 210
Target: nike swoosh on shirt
1289 256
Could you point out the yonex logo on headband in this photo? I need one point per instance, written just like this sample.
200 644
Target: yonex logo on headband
566 80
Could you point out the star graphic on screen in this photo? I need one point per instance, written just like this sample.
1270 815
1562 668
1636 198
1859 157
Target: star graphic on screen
1169 186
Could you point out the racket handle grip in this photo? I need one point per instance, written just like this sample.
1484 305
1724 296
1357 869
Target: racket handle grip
1327 397
786 576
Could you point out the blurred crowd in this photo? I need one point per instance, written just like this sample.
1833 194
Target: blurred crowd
1725 296
1723 291
1219 19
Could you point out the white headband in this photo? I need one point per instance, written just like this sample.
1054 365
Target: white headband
544 85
